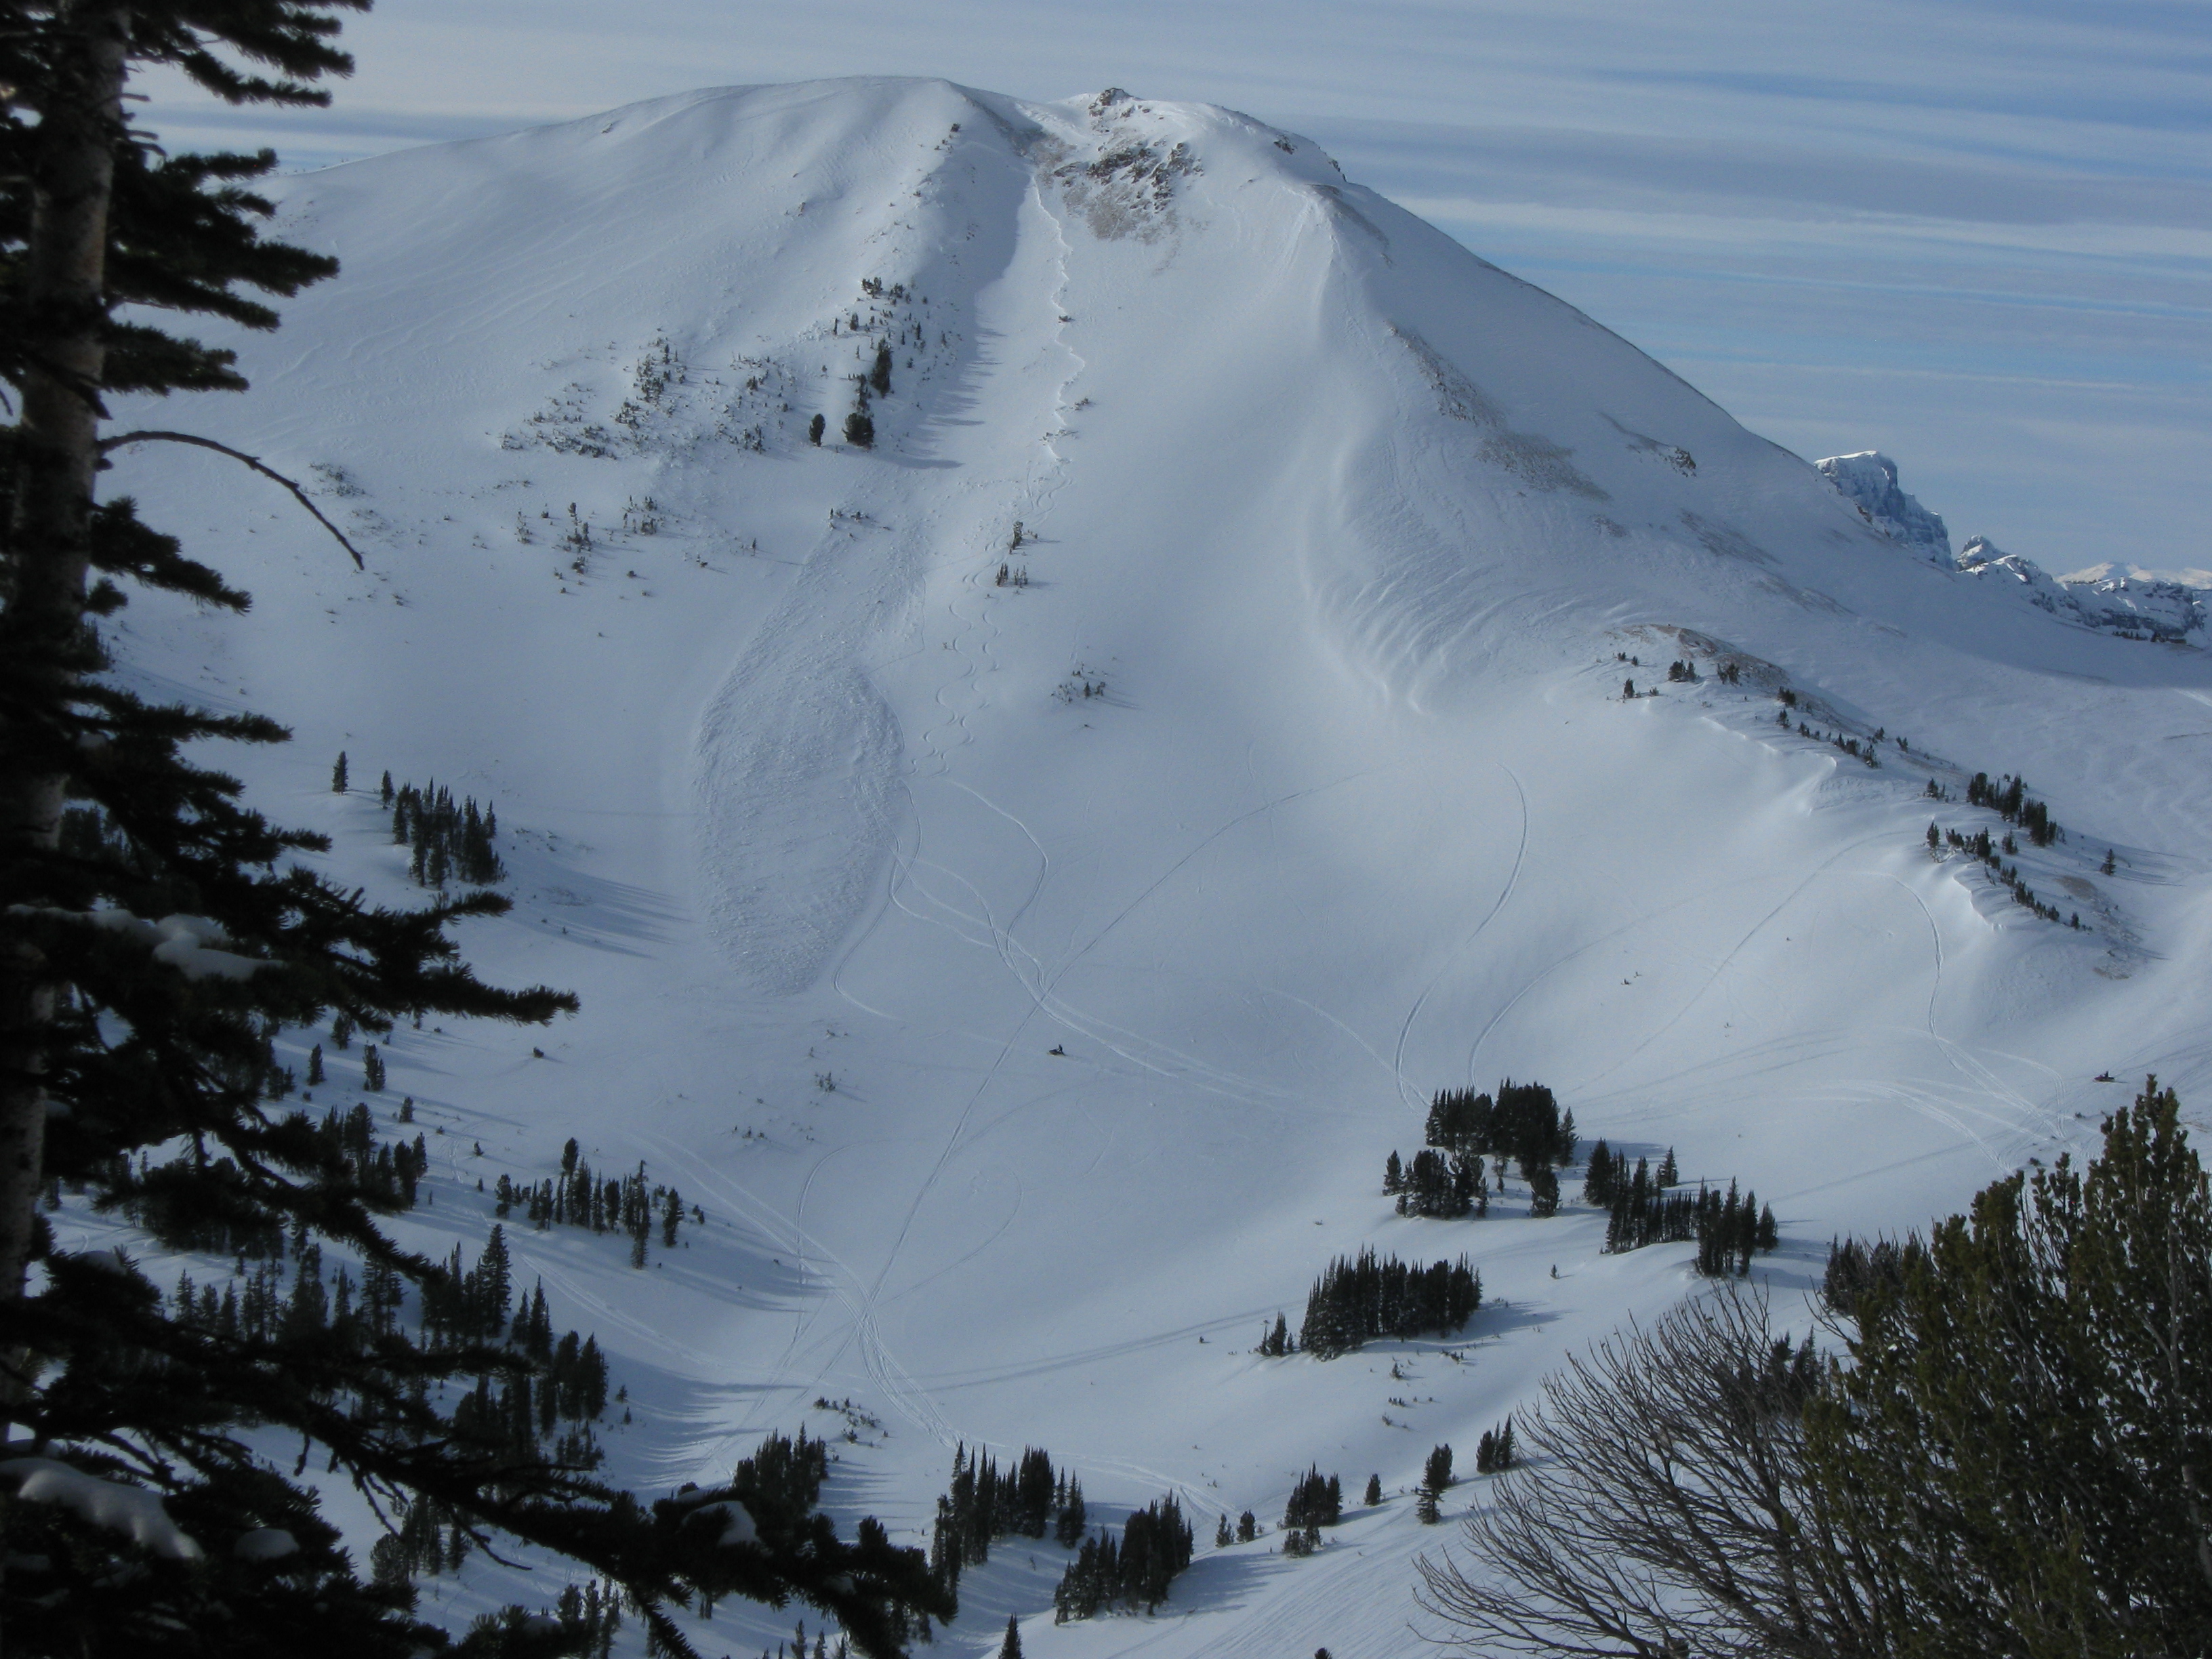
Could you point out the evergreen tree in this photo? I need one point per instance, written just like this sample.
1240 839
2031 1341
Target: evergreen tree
815 429
1067 1531
1314 1502
1374 1493
1437 1469
339 775
880 376
1543 1191
1248 1527
2018 1441
1011 1647
1600 1177
1435 1480
106 814
1221 1536
372 1070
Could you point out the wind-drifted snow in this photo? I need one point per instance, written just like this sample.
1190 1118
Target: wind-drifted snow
1028 980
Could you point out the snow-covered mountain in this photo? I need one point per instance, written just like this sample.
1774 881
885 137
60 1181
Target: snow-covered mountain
1023 878
2134 607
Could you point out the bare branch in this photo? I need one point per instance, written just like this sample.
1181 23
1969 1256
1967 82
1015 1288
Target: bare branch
253 461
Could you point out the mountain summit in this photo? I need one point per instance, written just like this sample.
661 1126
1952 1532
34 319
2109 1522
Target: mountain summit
1050 672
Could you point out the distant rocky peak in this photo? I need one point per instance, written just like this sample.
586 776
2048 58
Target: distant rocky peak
1869 481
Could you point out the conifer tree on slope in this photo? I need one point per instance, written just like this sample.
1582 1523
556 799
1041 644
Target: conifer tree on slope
105 1053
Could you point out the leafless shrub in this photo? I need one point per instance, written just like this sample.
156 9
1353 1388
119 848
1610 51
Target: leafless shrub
1662 1509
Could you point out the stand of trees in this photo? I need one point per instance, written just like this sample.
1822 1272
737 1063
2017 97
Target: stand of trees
2009 798
1494 1451
1444 1185
1645 1209
1026 1499
1314 1502
1362 1298
1156 1544
446 841
579 1198
1522 1122
2002 1459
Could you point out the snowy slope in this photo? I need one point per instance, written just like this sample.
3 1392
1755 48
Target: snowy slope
1294 782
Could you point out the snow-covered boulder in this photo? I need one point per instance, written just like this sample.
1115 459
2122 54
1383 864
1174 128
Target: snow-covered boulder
1869 481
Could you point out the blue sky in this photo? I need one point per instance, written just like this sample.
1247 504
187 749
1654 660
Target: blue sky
1976 233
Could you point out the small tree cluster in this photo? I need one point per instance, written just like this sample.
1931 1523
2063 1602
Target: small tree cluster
578 1198
1366 1298
2009 798
1027 1498
1543 1191
1522 1122
1444 1185
446 842
1728 1228
1156 1545
1494 1451
590 1613
1682 672
1606 1176
797 1648
1980 847
860 424
783 1477
1315 1501
201 1204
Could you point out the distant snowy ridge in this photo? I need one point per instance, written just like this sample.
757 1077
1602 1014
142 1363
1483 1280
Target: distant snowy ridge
2132 607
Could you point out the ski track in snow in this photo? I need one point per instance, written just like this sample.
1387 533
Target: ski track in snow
1411 1095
